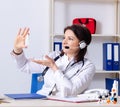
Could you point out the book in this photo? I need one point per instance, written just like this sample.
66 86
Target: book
26 96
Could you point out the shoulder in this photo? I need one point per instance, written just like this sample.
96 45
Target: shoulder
89 64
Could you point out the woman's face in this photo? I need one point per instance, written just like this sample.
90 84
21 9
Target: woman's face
70 43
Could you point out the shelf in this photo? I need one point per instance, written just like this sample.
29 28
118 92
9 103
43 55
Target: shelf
107 16
95 35
64 11
103 71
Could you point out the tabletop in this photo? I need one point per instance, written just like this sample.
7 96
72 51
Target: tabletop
8 102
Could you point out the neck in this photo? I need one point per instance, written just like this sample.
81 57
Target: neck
70 57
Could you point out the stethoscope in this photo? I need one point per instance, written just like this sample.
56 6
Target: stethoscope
68 67
40 78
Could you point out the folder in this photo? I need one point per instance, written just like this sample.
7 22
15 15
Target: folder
57 46
116 55
109 84
26 96
107 56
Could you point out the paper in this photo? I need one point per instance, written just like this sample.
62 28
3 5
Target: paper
80 99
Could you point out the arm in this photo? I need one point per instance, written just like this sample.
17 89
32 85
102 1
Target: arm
79 82
24 64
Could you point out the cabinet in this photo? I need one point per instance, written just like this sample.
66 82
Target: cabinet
107 15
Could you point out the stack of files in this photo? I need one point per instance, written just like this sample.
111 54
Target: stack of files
26 96
111 56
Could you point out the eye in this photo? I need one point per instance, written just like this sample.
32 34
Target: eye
63 37
70 38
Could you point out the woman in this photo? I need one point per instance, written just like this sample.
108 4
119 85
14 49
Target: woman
66 72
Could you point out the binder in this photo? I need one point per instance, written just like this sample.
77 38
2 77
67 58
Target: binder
116 55
107 56
26 96
109 83
57 46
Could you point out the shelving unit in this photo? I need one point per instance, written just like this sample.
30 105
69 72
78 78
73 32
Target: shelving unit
107 15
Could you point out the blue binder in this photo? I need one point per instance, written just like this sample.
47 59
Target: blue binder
109 83
26 96
116 56
107 56
57 46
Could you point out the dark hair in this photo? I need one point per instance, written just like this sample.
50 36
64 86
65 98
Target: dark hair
83 34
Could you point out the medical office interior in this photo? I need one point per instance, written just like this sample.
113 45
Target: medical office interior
46 20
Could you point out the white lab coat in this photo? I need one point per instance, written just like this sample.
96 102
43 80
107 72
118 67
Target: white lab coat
68 82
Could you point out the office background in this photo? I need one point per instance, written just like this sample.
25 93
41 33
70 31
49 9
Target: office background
36 15
13 15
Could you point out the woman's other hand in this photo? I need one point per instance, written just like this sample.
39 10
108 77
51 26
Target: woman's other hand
49 62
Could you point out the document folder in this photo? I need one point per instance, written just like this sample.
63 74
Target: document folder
107 56
57 46
109 84
26 96
116 54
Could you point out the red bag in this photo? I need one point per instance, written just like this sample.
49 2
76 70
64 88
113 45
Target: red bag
90 23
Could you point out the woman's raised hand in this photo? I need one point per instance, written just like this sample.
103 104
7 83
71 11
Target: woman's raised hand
19 42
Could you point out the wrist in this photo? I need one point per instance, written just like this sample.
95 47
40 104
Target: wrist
17 51
55 68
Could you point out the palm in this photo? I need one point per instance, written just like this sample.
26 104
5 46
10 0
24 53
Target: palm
20 42
20 39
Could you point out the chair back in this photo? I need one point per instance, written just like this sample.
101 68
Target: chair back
35 83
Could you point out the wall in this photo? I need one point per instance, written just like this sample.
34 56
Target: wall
13 15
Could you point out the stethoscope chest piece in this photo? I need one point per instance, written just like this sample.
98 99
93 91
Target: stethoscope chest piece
40 78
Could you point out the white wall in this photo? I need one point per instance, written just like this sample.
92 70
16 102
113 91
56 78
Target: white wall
13 15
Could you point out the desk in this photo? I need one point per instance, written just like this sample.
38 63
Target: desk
50 103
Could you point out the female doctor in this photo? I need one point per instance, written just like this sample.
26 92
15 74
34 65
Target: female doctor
66 72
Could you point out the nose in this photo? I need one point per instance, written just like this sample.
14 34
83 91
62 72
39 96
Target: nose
64 41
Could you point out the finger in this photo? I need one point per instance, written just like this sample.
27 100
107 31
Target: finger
47 57
37 61
23 31
26 32
19 32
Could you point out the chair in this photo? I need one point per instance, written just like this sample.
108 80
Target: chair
35 83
